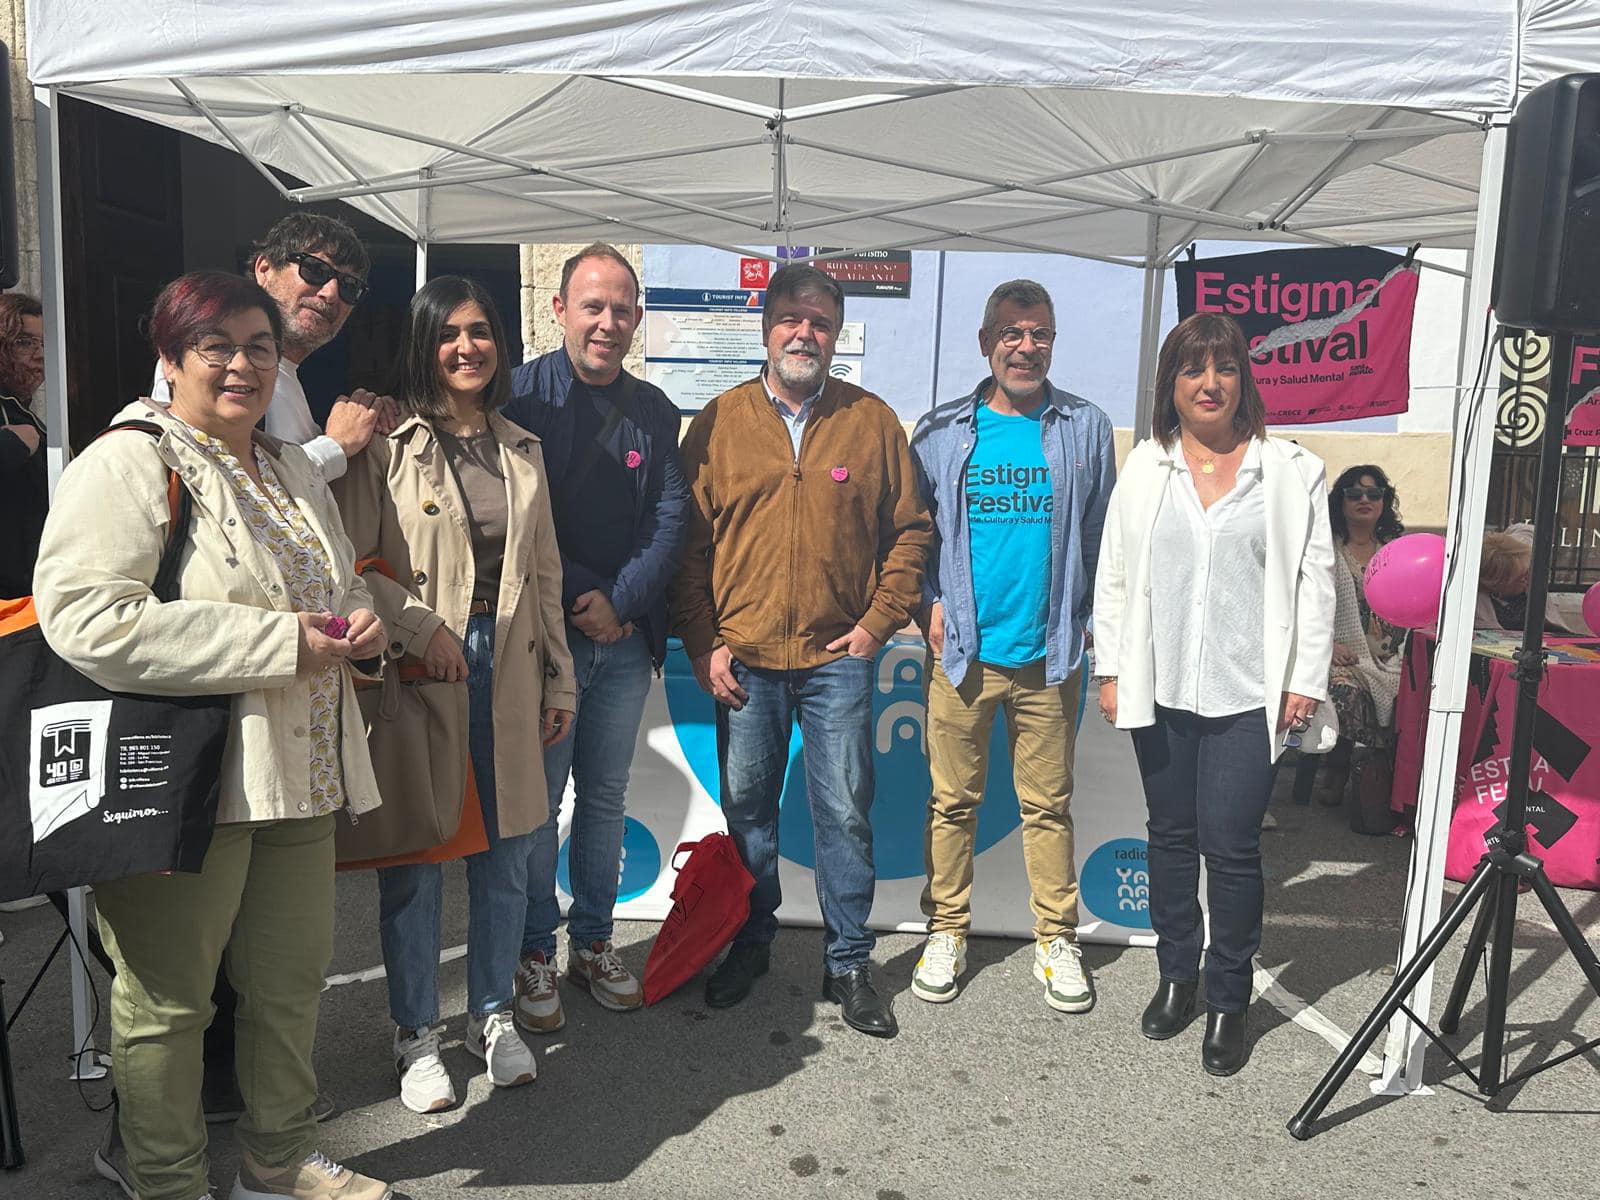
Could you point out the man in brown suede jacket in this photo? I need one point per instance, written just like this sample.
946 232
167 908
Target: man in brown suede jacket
806 539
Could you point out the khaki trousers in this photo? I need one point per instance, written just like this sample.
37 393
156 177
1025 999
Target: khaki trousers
1041 728
264 899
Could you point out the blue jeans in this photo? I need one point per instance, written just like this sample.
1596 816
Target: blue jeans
834 705
613 682
497 881
1207 781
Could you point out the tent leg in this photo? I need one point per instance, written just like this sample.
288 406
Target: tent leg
1155 284
1406 1045
47 124
422 264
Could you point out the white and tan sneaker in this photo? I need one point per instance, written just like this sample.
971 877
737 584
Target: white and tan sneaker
538 1006
425 1085
495 1040
938 973
1058 964
598 970
315 1177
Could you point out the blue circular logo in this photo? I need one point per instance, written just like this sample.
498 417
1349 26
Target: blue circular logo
1115 882
900 804
636 873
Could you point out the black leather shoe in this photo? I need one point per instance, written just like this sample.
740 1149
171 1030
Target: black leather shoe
1169 1012
1223 1051
731 982
862 1007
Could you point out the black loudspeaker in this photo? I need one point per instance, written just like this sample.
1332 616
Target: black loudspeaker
1547 262
8 179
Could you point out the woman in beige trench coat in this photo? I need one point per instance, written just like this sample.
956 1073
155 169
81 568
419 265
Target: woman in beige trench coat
455 502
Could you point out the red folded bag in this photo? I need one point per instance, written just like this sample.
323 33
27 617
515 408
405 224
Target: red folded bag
710 903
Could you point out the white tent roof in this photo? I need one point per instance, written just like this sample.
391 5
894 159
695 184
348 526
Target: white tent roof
960 124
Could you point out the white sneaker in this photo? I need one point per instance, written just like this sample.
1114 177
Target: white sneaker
425 1085
598 969
538 1006
939 969
1058 964
495 1040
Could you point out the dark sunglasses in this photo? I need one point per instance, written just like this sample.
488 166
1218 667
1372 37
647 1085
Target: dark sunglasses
317 273
1365 493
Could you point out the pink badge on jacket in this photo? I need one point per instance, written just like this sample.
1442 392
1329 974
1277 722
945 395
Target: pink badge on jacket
632 459
840 474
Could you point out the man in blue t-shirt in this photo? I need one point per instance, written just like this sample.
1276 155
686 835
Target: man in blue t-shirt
1017 475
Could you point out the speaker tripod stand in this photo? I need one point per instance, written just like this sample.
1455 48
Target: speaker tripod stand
1508 865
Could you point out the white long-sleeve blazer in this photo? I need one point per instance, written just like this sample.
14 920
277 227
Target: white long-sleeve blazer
1298 607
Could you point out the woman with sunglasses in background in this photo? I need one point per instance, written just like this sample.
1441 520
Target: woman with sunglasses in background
1213 627
1364 513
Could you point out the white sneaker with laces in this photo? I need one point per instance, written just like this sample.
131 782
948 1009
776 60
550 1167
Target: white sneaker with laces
425 1085
495 1040
314 1177
538 1007
938 972
1058 964
598 969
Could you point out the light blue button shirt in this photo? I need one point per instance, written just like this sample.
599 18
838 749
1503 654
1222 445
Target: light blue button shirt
794 421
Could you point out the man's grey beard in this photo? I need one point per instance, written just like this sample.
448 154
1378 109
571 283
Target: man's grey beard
799 372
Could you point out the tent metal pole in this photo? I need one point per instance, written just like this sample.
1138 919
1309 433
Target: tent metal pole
1406 1045
344 164
1430 176
1189 230
829 108
1155 279
986 235
677 91
780 177
506 160
232 139
1454 210
47 129
1293 205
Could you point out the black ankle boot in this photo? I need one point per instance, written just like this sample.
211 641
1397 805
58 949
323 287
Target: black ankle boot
1170 1010
1223 1051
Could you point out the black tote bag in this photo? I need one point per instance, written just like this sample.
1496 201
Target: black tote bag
98 785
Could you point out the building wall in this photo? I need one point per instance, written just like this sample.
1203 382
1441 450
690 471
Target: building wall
541 280
13 29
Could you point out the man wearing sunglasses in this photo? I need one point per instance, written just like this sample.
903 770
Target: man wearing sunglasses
315 267
1017 475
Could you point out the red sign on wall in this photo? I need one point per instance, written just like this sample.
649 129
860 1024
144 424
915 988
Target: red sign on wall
754 272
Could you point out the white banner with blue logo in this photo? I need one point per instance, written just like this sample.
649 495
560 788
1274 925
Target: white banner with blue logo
673 790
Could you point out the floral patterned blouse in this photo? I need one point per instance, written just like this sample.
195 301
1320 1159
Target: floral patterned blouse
276 521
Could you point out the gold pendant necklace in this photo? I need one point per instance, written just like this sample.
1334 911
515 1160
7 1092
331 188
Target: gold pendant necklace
1208 466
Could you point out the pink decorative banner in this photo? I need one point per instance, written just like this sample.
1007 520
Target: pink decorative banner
1329 329
1583 422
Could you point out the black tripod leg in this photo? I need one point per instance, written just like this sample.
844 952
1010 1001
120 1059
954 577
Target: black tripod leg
1567 927
1450 1019
10 1128
1404 984
1503 898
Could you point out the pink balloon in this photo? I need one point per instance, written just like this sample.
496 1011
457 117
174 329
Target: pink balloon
1591 608
1403 580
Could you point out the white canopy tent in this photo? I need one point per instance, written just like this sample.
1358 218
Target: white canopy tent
951 124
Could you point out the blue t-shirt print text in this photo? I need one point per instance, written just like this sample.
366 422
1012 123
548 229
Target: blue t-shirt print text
1009 501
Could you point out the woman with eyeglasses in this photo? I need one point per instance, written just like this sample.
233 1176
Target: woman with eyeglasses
1364 512
1213 628
24 489
455 502
265 571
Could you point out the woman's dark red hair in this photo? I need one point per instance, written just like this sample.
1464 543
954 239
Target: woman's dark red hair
196 304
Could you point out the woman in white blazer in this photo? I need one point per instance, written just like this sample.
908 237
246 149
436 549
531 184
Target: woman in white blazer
1213 627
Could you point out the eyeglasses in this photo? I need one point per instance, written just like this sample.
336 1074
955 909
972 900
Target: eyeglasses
214 352
1012 336
1365 493
26 341
1292 735
316 272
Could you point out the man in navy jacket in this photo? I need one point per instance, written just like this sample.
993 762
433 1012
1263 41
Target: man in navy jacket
617 492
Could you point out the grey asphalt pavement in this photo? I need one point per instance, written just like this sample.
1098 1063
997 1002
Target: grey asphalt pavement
993 1095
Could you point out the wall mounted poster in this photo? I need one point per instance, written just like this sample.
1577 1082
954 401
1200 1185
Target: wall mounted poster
1329 329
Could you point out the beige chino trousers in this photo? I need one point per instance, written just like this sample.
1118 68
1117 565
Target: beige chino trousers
1041 728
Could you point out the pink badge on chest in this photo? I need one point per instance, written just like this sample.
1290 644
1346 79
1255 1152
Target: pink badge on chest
840 474
632 459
